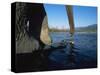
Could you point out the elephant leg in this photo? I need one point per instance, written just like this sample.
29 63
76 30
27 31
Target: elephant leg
69 10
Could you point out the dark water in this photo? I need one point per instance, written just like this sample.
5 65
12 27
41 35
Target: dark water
82 55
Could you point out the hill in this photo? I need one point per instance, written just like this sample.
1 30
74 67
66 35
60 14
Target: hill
89 28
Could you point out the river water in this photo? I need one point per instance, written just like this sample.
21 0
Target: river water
82 55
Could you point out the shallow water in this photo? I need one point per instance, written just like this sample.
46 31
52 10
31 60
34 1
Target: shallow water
82 55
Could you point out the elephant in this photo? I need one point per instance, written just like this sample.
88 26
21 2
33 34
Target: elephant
32 30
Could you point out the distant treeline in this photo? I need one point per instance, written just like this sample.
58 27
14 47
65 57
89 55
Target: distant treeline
57 30
76 30
90 28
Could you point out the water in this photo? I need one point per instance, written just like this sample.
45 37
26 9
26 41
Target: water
83 54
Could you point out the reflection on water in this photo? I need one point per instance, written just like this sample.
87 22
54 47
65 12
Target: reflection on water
81 54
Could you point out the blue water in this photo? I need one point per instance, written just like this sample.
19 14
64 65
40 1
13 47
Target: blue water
84 53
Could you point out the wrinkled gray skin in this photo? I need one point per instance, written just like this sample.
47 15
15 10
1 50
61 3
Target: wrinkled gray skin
32 32
29 38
